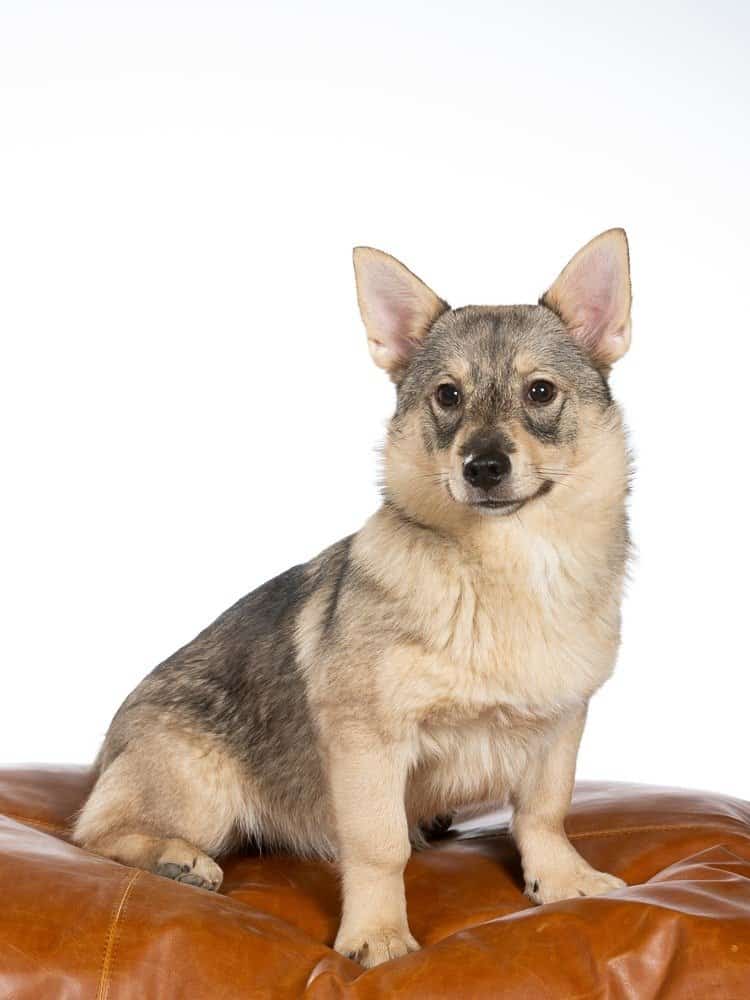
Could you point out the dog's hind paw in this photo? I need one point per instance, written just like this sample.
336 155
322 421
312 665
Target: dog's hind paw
186 864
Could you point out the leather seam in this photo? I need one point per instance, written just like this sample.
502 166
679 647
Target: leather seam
118 913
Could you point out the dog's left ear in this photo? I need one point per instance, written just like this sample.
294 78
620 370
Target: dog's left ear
397 308
592 297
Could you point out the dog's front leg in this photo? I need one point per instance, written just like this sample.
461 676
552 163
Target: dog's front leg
368 783
552 868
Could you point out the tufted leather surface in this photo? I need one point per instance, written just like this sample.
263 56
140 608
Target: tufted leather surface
75 925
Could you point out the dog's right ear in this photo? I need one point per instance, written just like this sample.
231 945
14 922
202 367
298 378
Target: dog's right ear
396 307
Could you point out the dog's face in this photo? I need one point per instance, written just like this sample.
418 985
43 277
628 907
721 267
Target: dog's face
496 406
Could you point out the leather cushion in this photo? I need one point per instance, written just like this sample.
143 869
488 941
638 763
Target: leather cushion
72 924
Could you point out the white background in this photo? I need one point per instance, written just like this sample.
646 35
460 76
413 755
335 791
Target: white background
187 402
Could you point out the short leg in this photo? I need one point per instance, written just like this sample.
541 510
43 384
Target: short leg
368 783
552 868
165 808
173 858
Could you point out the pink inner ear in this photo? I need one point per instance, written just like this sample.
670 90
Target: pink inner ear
593 296
394 316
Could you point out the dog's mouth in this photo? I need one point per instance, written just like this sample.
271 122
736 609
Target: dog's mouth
497 504
509 505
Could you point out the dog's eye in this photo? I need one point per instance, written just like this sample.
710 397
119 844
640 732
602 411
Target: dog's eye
447 394
541 391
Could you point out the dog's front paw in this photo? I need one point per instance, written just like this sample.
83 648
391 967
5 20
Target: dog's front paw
373 946
582 880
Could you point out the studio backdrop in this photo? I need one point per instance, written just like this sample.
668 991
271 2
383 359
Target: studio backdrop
186 399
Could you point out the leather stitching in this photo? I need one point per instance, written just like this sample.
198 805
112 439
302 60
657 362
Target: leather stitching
118 913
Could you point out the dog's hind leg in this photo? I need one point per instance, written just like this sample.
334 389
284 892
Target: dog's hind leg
167 803
173 857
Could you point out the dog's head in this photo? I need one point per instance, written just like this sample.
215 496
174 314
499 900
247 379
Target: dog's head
497 407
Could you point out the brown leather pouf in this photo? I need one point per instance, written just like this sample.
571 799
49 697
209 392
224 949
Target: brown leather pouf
75 925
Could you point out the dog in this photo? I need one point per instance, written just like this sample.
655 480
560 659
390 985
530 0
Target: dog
441 658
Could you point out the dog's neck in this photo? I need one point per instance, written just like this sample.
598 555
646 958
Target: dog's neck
501 544
451 593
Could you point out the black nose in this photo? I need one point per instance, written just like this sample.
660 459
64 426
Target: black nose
486 470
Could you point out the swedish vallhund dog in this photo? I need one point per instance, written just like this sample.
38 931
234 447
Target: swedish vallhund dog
441 658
